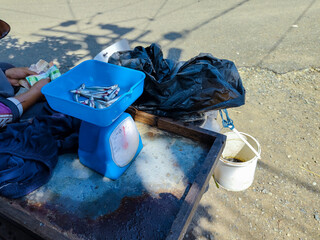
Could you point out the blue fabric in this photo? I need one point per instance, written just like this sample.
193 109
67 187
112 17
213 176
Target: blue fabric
14 109
6 90
29 151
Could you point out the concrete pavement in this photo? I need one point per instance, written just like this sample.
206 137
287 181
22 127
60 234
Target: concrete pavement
278 35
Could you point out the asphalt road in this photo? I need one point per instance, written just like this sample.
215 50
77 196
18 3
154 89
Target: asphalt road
278 35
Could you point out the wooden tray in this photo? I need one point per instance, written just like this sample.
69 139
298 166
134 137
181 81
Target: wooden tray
155 199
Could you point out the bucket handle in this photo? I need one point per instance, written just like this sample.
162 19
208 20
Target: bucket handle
246 142
229 124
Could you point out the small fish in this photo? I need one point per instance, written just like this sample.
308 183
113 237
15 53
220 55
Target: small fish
103 103
83 86
84 102
76 97
85 93
112 95
97 96
101 88
99 105
91 102
113 100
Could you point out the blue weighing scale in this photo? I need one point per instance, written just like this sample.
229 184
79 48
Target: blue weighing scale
109 150
108 139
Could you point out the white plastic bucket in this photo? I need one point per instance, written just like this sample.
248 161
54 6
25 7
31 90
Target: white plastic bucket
237 176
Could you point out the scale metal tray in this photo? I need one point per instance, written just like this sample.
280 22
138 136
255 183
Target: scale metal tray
155 198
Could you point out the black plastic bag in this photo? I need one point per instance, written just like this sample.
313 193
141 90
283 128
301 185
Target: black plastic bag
182 89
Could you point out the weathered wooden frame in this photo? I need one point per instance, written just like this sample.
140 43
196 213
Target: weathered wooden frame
22 220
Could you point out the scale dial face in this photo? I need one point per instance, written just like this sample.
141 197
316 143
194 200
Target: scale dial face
124 142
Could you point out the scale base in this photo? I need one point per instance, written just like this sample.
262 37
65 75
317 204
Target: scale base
109 150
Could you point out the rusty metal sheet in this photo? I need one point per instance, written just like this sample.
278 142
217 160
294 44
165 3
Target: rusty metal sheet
141 204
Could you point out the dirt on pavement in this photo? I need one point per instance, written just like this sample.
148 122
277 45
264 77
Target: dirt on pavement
282 113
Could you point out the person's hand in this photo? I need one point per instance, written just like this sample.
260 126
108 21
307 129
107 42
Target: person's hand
18 73
29 98
36 88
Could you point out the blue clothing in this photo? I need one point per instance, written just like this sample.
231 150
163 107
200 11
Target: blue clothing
29 151
6 90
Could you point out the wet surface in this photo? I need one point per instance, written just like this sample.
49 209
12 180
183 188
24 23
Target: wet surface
141 204
141 217
236 160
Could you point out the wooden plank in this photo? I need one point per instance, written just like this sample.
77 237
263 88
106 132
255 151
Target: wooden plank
186 212
143 117
23 217
10 230
185 215
182 129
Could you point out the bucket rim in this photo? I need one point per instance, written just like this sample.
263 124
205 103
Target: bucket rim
240 164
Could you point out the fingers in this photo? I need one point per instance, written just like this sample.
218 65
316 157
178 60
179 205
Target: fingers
29 72
46 80
14 82
24 83
42 82
19 73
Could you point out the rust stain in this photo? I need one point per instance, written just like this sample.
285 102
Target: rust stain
151 134
142 217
